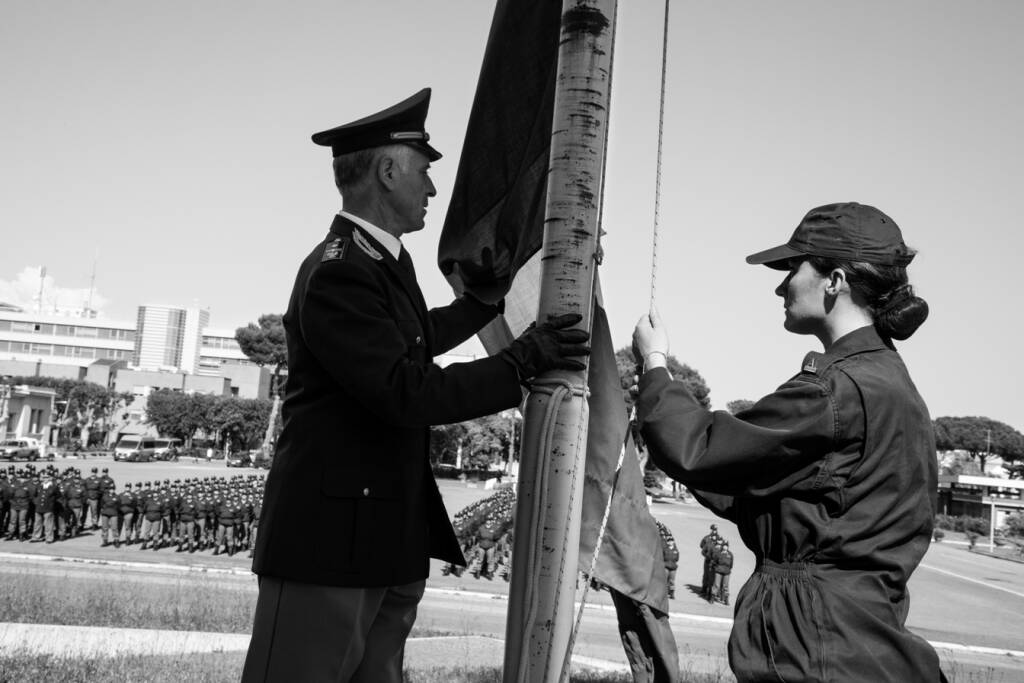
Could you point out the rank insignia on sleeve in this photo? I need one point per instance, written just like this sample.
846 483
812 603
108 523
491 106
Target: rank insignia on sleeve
335 249
361 242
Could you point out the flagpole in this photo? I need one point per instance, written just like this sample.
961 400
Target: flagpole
553 447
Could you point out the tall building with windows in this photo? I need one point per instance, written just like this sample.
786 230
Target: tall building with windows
169 338
63 340
170 341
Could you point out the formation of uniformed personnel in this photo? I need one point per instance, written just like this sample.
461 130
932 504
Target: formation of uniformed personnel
830 477
484 531
362 392
212 513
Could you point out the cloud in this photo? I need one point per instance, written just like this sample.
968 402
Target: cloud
23 291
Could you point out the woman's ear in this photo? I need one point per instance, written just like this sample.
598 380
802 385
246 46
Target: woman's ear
836 282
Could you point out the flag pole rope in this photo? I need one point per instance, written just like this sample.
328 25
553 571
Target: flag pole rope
654 276
657 180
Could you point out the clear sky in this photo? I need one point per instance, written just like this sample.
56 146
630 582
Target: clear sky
169 142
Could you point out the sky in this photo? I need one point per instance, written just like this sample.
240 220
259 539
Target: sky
165 147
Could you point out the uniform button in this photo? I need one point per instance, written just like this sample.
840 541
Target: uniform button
366 492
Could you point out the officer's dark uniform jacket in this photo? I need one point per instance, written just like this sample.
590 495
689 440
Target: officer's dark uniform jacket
830 480
350 499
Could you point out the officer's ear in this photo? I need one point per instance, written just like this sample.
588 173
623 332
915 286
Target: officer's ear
387 169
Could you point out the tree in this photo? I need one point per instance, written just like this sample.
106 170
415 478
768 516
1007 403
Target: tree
681 372
179 415
445 443
739 405
265 345
85 405
981 437
239 421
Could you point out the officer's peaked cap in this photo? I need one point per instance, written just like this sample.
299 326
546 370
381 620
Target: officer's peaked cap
402 123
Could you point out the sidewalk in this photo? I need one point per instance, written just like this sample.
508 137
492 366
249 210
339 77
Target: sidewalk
93 641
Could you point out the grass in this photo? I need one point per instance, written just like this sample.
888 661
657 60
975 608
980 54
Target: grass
215 668
114 600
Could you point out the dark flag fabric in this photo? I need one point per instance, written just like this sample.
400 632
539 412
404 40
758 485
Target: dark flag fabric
490 246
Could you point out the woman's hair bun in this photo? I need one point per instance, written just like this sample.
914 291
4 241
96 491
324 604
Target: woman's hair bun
901 313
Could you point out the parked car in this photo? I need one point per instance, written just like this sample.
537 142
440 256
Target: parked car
19 449
237 459
135 449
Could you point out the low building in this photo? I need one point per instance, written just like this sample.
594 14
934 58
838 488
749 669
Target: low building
26 412
986 497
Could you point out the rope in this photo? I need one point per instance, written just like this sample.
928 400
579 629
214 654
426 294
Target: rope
559 390
657 180
654 277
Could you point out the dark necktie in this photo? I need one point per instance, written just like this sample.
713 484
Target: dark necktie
406 262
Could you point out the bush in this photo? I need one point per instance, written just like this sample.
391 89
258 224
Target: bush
1015 525
962 523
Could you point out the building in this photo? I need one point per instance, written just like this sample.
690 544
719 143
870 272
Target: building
164 340
973 496
26 412
59 340
168 338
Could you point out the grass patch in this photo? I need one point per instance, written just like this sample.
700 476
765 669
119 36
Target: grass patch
218 667
193 668
113 599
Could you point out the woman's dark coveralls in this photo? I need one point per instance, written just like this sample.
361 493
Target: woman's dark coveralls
830 480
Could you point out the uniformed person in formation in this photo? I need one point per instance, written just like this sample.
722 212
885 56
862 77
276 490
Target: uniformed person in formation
339 588
829 478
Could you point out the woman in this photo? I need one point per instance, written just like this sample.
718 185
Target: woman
830 478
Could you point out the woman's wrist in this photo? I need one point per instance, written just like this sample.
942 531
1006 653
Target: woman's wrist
655 359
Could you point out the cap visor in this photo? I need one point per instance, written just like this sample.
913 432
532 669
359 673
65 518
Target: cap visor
776 257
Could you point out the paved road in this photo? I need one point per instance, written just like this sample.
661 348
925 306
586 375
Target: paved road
958 597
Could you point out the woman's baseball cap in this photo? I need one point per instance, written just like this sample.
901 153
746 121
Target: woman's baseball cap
848 231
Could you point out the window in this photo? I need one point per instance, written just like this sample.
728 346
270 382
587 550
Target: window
44 328
86 332
35 421
43 349
22 327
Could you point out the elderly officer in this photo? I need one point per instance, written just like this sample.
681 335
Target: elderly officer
352 513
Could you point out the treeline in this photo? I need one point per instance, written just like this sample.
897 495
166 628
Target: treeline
237 423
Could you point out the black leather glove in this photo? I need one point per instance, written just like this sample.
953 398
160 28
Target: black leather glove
548 347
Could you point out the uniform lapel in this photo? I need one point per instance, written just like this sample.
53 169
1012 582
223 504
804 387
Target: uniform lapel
404 276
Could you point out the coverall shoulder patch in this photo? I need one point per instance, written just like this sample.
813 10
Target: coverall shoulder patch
335 249
361 242
812 363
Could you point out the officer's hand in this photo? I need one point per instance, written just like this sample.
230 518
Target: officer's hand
548 347
650 342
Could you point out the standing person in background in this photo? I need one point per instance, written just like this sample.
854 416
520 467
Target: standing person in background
723 567
339 588
830 478
707 547
108 516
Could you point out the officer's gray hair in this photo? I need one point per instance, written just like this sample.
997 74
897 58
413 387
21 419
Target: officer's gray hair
352 170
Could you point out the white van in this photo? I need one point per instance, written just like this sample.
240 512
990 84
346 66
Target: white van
135 449
163 445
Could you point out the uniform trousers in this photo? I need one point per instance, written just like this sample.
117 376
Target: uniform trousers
125 525
313 633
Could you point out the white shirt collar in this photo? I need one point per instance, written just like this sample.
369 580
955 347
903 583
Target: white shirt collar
386 239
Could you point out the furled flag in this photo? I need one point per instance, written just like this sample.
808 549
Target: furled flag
491 244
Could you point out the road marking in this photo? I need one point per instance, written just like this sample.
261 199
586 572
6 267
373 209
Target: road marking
967 578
